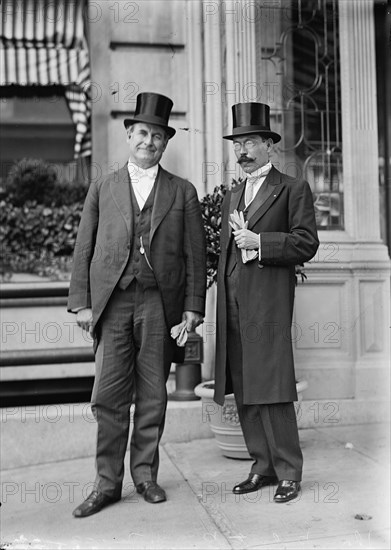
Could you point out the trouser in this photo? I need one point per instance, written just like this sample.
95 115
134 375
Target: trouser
270 430
132 363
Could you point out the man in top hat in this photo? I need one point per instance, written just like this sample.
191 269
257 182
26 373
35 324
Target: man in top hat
268 227
139 269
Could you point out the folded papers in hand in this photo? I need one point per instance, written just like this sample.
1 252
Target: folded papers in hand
179 333
237 222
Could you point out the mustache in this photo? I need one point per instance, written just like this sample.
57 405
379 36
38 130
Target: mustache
245 158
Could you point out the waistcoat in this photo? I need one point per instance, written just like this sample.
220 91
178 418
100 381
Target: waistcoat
137 266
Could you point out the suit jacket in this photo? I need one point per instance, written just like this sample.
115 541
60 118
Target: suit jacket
283 213
177 245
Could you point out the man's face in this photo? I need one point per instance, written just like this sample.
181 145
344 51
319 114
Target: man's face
252 151
147 143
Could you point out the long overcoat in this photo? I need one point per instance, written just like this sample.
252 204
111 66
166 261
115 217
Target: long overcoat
176 250
283 213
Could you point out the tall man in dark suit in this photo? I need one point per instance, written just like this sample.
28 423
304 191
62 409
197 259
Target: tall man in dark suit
139 269
268 227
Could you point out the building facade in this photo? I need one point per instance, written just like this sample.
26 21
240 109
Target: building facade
318 73
323 67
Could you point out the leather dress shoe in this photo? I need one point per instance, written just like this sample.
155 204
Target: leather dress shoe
253 483
287 490
151 491
93 504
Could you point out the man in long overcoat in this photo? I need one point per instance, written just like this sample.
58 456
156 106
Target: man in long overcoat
268 227
139 269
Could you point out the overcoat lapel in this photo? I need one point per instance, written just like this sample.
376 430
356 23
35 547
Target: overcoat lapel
271 188
120 191
164 197
263 194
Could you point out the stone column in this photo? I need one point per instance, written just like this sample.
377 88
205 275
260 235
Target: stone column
359 120
241 68
196 115
100 34
211 95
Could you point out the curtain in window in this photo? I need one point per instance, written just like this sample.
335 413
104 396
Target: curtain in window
44 43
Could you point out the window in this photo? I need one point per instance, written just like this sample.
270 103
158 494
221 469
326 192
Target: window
36 123
300 56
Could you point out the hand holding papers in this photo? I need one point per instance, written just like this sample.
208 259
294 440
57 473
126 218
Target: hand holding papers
237 222
179 333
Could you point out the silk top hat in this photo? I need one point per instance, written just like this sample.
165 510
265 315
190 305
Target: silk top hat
252 118
152 108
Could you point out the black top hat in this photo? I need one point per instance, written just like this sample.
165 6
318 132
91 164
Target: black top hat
252 118
152 108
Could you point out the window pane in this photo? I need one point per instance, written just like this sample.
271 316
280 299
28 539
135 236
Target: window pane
301 55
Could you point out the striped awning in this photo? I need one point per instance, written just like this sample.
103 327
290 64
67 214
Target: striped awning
44 43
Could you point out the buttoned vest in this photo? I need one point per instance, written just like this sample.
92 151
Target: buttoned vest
137 266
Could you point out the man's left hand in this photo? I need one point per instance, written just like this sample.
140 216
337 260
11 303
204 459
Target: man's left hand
193 319
244 238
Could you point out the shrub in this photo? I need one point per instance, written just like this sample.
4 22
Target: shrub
65 193
36 180
30 180
211 213
38 239
39 219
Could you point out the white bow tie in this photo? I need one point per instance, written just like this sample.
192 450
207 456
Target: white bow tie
138 172
149 173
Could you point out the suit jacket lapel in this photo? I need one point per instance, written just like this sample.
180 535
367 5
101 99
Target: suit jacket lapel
270 189
164 197
120 191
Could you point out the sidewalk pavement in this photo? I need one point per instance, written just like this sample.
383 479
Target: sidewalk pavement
345 500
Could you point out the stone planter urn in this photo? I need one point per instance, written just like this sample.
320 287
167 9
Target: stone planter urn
224 420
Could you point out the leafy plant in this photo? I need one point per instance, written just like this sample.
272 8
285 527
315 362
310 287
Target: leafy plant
36 180
38 239
39 219
211 213
30 180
